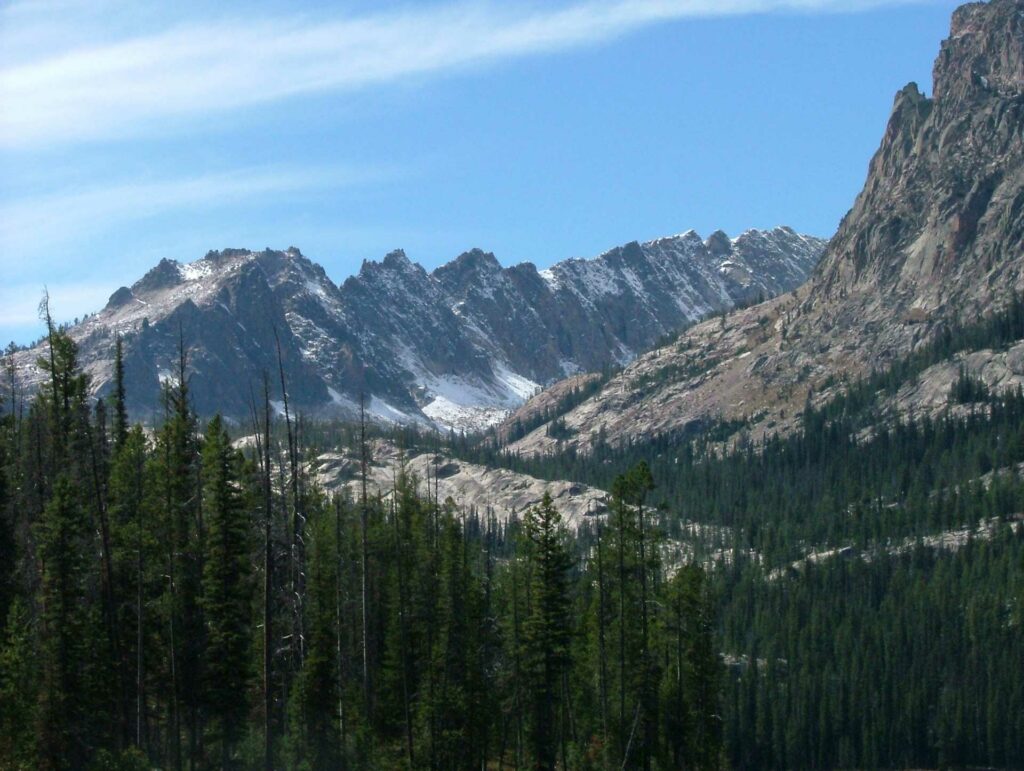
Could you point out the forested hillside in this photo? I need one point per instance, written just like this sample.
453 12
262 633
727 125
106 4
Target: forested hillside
868 570
847 596
172 602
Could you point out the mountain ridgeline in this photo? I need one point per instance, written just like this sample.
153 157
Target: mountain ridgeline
458 346
934 240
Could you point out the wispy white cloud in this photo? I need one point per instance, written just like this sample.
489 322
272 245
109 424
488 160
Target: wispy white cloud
104 88
38 224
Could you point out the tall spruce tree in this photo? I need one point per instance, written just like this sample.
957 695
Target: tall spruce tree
547 630
227 589
70 714
120 432
316 735
176 469
19 689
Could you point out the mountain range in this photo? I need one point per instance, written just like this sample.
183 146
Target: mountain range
457 347
934 241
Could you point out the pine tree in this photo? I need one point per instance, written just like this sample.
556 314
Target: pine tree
627 624
19 690
632 488
267 495
547 630
317 739
456 709
692 691
227 589
120 432
132 545
178 498
8 546
69 720
68 385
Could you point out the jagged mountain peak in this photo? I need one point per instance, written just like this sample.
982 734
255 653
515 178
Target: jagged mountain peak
456 347
935 237
395 267
984 53
119 298
396 259
474 260
166 274
216 255
942 189
719 244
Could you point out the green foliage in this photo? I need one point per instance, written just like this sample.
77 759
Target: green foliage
907 656
547 632
671 372
690 690
315 705
557 429
175 604
120 428
967 389
576 395
68 716
227 590
913 661
8 544
19 689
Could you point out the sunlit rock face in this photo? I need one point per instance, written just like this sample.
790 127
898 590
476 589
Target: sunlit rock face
936 237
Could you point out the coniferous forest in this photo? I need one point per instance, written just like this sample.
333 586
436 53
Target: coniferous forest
172 599
868 573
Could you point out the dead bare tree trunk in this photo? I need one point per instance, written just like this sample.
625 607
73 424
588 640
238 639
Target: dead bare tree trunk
293 464
263 450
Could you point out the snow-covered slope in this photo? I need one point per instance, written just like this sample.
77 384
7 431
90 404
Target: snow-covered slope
457 347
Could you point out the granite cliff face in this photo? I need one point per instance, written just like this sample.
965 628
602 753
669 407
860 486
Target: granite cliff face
935 237
498 493
939 226
459 346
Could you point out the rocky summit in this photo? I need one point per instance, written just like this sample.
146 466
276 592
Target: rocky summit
935 239
456 347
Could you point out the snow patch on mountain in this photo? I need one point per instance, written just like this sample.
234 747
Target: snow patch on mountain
194 271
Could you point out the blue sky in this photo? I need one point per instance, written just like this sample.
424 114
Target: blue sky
132 131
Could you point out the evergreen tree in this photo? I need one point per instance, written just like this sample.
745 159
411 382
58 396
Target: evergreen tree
227 589
692 691
177 498
456 711
547 631
70 724
8 545
133 550
120 432
317 740
19 690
